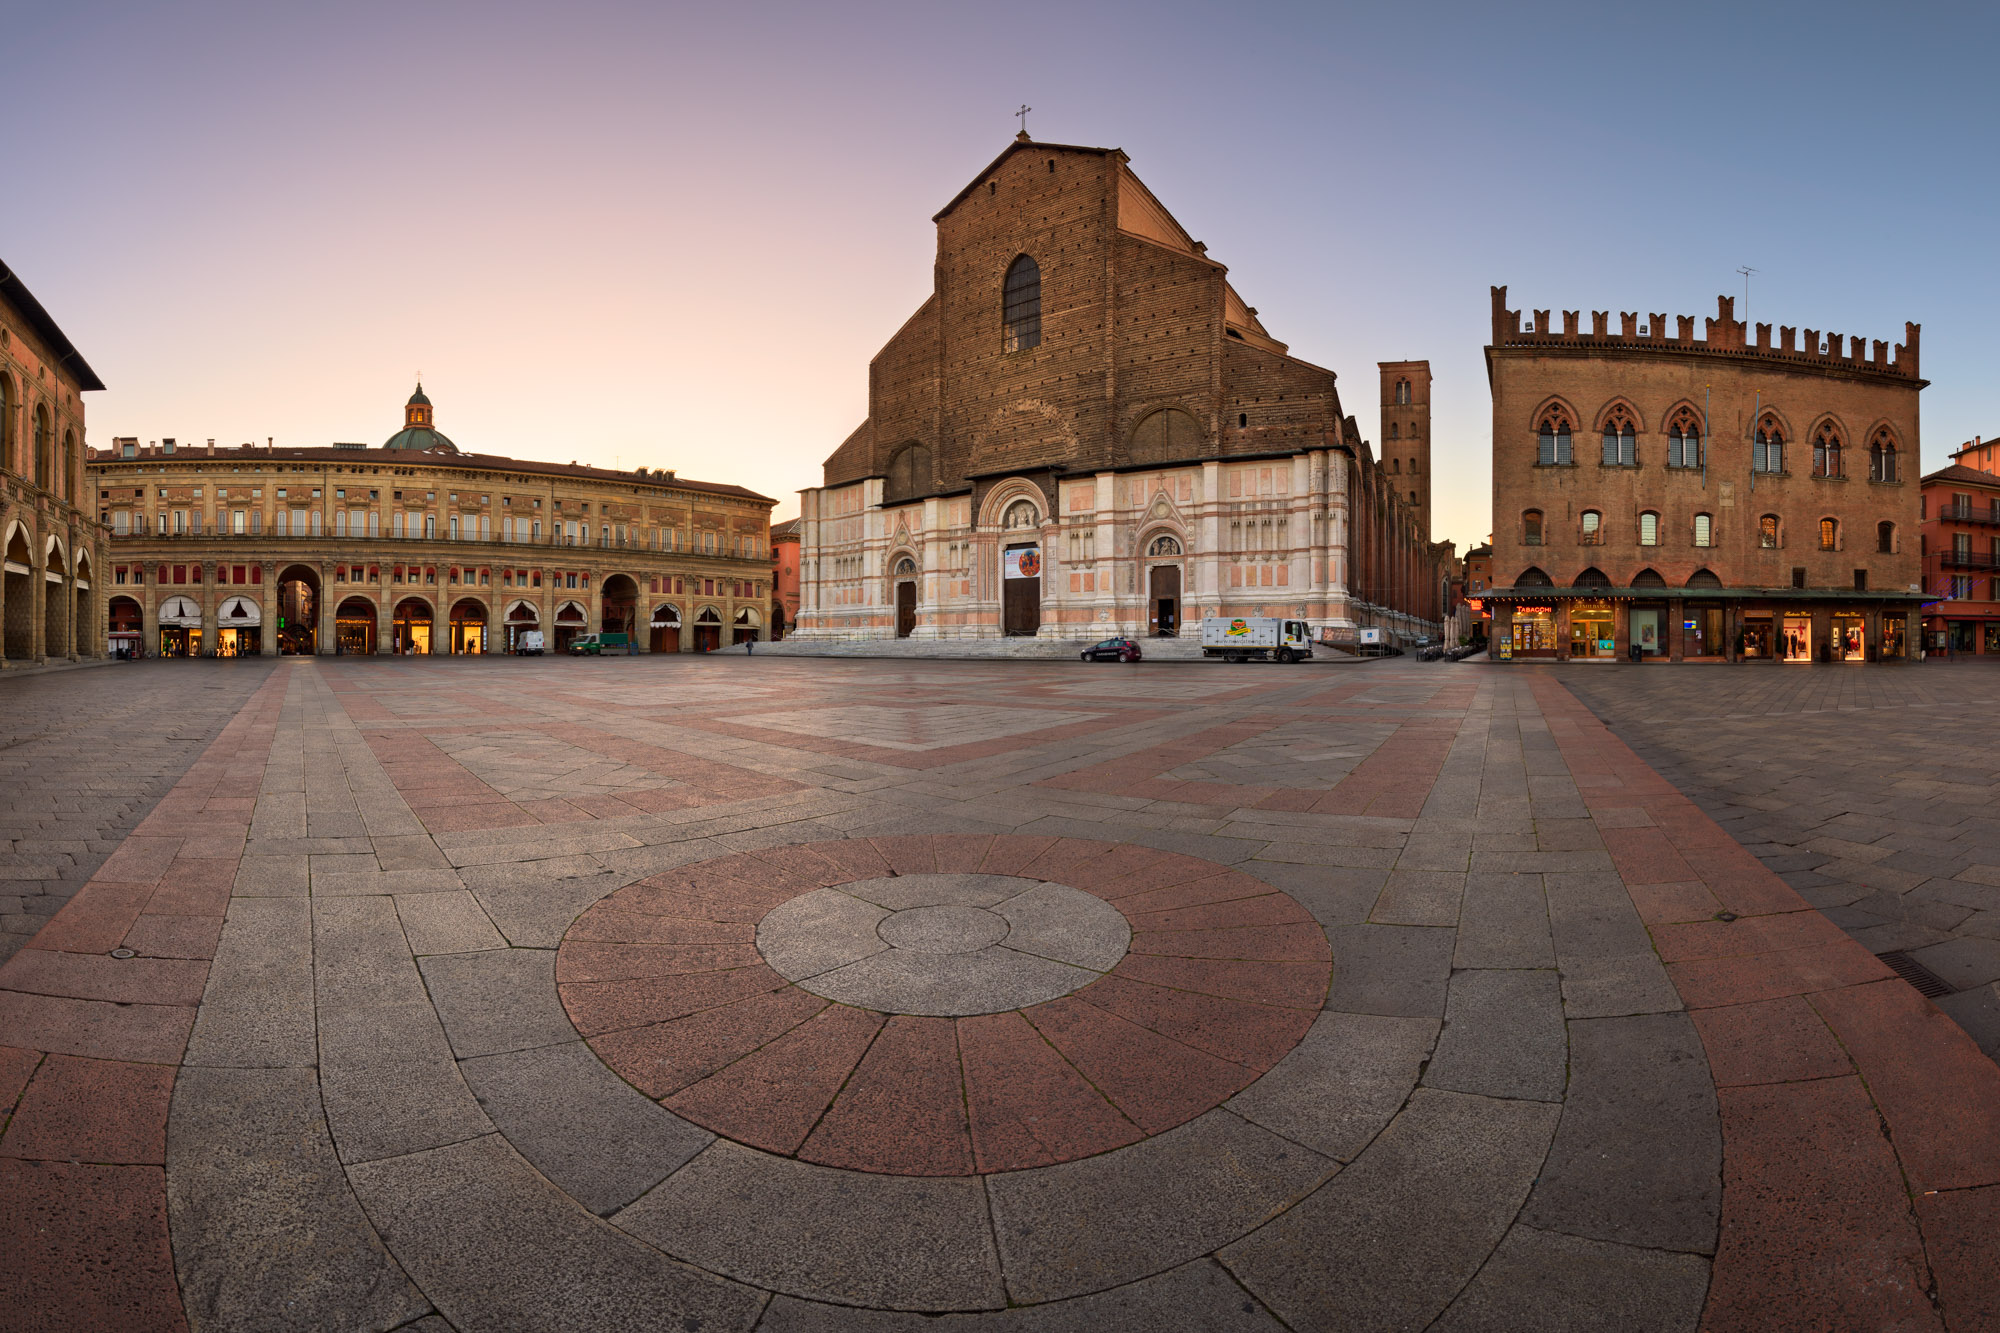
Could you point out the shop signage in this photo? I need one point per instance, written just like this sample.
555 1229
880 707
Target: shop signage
1506 649
1371 636
1024 562
1534 610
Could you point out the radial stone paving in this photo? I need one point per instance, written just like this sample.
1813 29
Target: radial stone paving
764 993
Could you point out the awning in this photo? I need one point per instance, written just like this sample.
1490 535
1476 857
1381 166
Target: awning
522 612
570 613
666 616
180 612
239 613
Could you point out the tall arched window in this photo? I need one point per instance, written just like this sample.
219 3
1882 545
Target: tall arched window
1885 538
1704 530
1882 456
1592 531
1767 532
1552 438
70 479
1620 441
43 444
1829 534
8 461
1395 431
1684 440
1402 393
1767 451
1531 528
1826 453
1021 305
1649 529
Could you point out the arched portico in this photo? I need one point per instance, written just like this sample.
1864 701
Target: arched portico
665 636
298 594
707 630
414 622
571 621
747 627
523 618
468 626
354 624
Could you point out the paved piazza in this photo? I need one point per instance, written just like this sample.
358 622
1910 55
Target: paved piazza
772 993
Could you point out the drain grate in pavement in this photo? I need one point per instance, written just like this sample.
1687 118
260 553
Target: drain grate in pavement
1928 983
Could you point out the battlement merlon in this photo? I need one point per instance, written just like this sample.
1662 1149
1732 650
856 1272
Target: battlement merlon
1722 333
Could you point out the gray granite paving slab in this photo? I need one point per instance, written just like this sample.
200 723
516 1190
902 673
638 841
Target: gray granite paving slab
534 902
993 980
436 923
1503 1036
266 1232
1343 1083
257 1008
398 1106
1610 987
1978 1012
1543 1282
1195 1298
819 931
1965 963
1336 896
1067 925
498 1000
600 1140
496 1246
272 876
1419 898
1391 1240
896 1242
1394 970
1591 916
897 893
1088 1225
1504 923
1637 1158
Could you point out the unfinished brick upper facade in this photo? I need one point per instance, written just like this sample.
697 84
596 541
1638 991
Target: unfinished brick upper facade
1763 480
1082 354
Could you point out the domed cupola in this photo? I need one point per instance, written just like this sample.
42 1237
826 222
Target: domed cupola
418 433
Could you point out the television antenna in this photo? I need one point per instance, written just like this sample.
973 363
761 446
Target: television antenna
1747 273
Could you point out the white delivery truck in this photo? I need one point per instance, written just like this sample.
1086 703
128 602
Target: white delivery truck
1241 638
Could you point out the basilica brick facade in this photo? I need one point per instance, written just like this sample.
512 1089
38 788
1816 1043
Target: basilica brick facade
1721 497
1085 431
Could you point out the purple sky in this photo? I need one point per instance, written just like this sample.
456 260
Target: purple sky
675 235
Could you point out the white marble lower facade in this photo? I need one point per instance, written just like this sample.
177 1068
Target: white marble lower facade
1266 537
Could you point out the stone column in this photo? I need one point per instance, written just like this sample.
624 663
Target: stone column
211 634
323 641
77 633
267 630
385 621
6 526
38 596
1676 630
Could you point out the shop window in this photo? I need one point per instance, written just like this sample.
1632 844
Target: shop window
1826 453
1767 532
1552 436
1885 538
1649 529
1593 528
1531 528
1829 534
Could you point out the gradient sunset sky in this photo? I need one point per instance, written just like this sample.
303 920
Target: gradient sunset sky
674 235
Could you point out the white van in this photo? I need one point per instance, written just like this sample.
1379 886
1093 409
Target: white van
1241 638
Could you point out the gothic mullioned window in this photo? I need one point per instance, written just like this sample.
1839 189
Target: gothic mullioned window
1021 305
1402 393
1684 440
1552 439
1620 439
1767 451
1882 456
1826 453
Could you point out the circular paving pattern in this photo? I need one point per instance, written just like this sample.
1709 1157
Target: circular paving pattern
943 945
948 1005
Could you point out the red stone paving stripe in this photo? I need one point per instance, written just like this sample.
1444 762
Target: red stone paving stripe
855 858
1011 853
1646 856
1800 929
908 855
772 1097
1161 906
709 781
1058 862
1770 1041
140 859
1028 1106
584 961
649 899
1943 1113
84 1247
1155 1080
1128 869
195 888
903 1109
16 1064
662 1059
614 927
606 1006
960 854
1959 1227
1292 985
1120 775
83 976
149 1033
1817 1232
92 1111
96 922
942 757
158 936
1297 943
1673 902
1263 909
1235 1030
1396 779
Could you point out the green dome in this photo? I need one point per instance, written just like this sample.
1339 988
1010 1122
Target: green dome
420 438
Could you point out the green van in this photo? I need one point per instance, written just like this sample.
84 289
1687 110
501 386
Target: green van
599 644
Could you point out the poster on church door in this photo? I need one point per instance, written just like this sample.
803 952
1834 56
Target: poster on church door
1024 562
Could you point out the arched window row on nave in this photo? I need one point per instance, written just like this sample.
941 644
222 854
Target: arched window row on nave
1686 445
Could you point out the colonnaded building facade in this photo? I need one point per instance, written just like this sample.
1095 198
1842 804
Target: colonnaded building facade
1086 431
1702 498
415 547
51 549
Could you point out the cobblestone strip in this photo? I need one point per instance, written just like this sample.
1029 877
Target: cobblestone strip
98 1010
1861 1126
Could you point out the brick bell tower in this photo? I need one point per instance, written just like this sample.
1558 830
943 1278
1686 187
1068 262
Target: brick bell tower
1405 446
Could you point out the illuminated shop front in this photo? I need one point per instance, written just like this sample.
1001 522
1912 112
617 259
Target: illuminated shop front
1534 631
1705 624
1591 630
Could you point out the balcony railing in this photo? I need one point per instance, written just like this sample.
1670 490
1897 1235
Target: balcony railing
1968 560
601 544
1957 513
